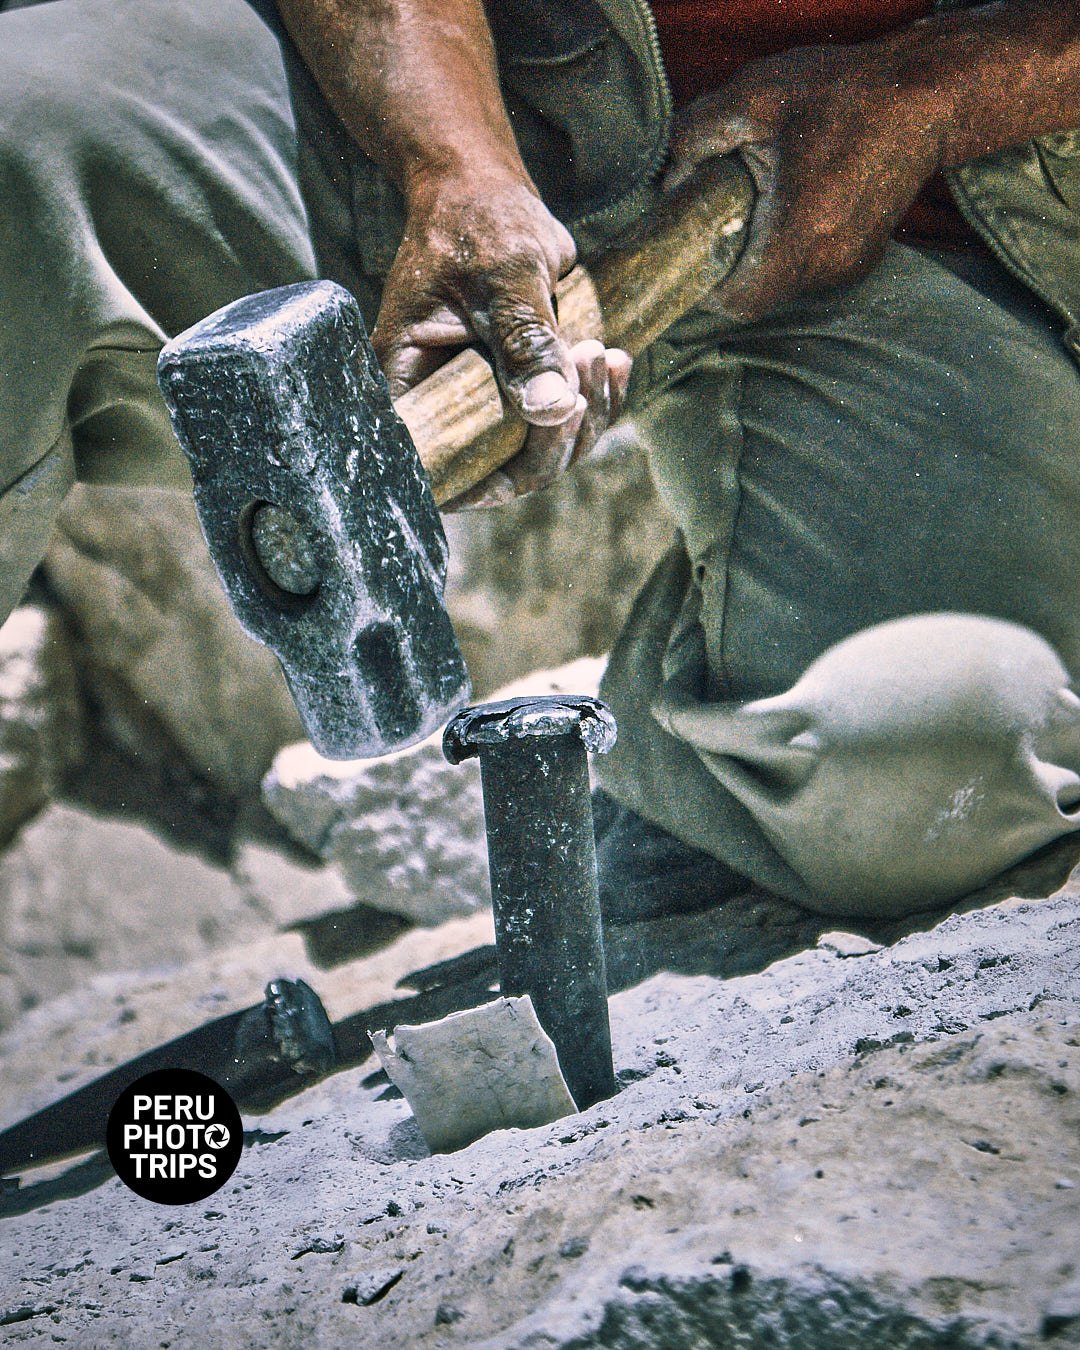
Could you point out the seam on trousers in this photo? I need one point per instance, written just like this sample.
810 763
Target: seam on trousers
28 510
722 676
61 445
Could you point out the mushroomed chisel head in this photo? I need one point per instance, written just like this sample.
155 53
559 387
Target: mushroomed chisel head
318 514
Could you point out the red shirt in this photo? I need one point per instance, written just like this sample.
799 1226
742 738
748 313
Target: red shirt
705 41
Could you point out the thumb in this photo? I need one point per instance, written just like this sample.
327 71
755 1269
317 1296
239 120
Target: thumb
532 361
710 128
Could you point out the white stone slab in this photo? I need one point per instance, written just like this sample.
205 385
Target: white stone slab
489 1068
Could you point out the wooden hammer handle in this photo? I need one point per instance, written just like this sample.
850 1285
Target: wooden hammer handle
463 427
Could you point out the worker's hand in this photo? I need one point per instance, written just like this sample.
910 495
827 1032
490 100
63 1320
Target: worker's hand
839 141
479 261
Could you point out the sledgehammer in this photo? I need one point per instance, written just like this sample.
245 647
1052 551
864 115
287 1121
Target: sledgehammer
317 495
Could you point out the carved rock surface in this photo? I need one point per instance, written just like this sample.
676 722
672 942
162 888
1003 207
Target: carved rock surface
839 1152
81 894
160 654
406 831
41 731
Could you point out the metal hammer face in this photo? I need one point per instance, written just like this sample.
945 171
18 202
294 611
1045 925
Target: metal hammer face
318 514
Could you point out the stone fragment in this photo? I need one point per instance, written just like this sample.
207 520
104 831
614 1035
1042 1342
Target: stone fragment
490 1068
406 830
406 836
371 1286
41 732
160 653
80 894
320 1244
24 1312
847 944
1063 1312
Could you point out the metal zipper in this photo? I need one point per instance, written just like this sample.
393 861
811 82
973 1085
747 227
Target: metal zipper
664 97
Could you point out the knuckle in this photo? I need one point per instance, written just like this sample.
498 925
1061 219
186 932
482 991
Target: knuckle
567 249
524 339
590 351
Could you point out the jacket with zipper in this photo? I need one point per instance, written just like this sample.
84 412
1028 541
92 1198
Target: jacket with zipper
585 88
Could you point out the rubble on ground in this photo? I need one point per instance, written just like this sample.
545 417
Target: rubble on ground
823 1138
405 831
854 1147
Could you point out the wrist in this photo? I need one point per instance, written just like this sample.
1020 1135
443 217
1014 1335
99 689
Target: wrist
925 86
464 174
992 75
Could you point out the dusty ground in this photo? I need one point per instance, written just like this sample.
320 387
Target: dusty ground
821 1139
855 1147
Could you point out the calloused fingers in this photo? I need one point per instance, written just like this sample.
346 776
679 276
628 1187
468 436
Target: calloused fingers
605 393
590 358
546 454
603 375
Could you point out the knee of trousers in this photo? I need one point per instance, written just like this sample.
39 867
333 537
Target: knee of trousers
147 177
38 344
910 764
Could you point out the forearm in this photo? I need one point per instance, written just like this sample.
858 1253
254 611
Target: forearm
416 84
414 81
993 75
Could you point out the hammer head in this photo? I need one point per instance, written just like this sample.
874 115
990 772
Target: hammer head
318 514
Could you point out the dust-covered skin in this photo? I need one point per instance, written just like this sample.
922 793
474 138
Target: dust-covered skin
841 138
415 82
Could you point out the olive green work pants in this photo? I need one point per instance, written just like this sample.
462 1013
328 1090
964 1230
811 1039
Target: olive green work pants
147 176
850 680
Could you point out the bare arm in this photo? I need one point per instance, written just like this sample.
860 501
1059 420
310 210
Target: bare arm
840 139
1005 72
415 83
